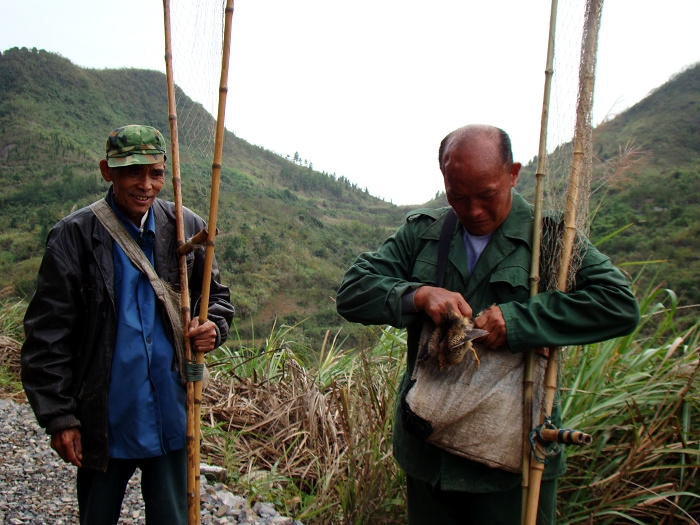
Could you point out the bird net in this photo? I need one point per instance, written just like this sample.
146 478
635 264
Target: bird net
568 162
197 36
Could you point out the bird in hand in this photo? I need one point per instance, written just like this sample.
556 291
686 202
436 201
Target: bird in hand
452 338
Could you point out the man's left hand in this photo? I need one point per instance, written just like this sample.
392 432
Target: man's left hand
493 322
203 336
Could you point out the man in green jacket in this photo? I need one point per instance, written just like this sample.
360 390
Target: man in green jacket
487 273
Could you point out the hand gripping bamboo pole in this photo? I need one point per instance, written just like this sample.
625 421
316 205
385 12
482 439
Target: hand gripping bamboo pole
528 380
211 229
192 468
582 135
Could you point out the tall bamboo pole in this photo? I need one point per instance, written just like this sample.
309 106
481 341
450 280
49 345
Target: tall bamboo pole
211 227
582 136
528 381
192 467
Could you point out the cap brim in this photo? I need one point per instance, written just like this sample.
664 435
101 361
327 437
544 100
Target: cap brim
136 158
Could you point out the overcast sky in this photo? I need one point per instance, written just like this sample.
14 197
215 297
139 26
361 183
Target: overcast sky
367 89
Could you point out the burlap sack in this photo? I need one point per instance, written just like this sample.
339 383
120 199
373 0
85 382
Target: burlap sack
474 410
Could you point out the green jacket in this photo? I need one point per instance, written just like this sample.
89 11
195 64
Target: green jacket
601 306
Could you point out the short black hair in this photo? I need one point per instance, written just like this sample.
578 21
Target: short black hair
506 147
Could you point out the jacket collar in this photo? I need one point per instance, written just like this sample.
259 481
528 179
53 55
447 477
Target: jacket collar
515 230
521 213
166 240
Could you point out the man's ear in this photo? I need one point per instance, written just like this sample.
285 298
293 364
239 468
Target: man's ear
514 172
105 170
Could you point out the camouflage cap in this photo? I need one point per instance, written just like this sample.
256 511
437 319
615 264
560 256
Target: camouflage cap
135 144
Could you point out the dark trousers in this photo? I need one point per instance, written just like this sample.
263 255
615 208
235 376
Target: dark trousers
428 505
163 486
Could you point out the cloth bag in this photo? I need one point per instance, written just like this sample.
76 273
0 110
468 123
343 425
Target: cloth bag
473 409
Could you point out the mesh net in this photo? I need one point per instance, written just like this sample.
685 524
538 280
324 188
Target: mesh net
197 35
569 129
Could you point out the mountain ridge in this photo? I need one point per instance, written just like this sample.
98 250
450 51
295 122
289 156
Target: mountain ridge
288 232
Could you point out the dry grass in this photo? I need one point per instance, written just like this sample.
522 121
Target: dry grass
9 354
288 426
10 386
310 430
307 437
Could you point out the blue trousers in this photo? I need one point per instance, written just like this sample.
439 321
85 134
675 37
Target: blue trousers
163 486
428 505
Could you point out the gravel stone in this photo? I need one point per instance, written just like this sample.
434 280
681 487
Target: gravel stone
38 488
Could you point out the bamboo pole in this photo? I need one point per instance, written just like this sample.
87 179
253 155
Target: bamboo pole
581 135
192 493
528 380
211 230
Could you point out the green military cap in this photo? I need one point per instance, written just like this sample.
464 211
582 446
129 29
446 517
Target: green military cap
135 144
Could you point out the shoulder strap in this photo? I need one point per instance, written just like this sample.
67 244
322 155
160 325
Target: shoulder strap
448 228
116 229
165 293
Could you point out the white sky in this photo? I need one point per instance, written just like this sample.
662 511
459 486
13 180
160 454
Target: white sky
367 89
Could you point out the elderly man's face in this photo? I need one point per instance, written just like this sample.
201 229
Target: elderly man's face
478 185
135 187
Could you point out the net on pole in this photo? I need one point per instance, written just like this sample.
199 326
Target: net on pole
197 47
568 88
197 53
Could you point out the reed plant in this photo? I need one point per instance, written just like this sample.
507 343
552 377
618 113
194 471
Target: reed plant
638 396
11 335
310 429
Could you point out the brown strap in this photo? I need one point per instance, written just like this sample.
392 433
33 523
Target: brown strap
165 293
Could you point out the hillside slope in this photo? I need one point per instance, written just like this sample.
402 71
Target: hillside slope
656 198
287 232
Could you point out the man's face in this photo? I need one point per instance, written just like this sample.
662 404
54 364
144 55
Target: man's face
478 185
135 187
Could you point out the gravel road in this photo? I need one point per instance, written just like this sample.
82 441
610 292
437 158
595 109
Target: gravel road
39 488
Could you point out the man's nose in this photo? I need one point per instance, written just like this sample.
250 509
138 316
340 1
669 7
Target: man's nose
144 181
474 211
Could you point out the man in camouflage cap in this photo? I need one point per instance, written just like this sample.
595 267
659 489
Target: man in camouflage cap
100 364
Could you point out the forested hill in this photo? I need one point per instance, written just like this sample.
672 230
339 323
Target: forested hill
647 184
287 232
660 199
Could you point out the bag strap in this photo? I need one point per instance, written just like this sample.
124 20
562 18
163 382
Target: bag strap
163 291
109 220
448 228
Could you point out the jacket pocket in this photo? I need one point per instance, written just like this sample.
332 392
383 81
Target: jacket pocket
510 283
424 271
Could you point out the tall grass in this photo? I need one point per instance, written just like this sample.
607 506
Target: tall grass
309 429
637 396
11 333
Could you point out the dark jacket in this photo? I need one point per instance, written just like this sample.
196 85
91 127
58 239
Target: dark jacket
600 306
70 323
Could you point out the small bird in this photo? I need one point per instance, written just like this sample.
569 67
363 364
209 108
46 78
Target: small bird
452 338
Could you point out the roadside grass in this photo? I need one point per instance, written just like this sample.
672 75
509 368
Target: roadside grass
639 397
309 429
11 335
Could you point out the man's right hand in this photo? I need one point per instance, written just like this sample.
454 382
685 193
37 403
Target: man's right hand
68 445
436 302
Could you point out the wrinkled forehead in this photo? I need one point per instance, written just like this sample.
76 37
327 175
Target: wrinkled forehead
481 153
